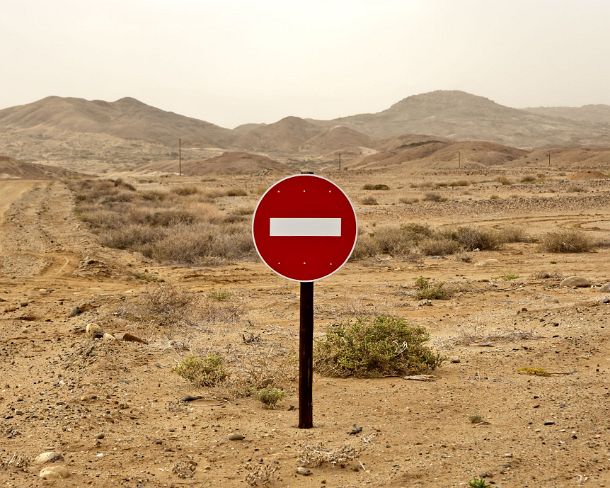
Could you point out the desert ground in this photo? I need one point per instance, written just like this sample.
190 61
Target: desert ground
116 413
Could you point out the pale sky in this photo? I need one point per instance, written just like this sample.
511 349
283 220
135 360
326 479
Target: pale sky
236 61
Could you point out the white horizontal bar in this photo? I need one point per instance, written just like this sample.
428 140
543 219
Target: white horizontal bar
314 227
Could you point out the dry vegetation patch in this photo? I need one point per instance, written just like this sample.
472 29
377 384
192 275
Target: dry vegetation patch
179 226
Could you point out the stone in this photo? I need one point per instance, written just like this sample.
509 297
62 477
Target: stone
54 473
303 471
455 359
127 337
549 422
48 457
486 262
94 330
108 337
237 437
605 288
356 429
575 282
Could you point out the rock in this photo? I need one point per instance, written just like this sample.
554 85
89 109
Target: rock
94 330
549 422
605 300
75 311
48 457
303 471
108 337
237 437
356 429
54 473
605 288
455 359
420 377
191 398
486 262
424 303
575 282
127 337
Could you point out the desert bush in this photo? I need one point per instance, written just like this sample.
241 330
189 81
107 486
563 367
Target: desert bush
374 347
270 396
202 370
408 200
438 246
434 197
503 180
512 234
471 238
528 179
185 191
264 474
476 419
132 236
369 201
575 189
377 186
460 183
566 241
316 455
236 192
426 290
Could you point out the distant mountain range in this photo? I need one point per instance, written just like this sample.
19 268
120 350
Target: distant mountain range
453 115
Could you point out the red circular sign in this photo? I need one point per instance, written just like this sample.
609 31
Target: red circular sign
304 228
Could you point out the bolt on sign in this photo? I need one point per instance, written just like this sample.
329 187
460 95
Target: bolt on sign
304 228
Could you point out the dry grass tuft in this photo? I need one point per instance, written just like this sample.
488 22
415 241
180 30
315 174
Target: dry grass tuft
566 241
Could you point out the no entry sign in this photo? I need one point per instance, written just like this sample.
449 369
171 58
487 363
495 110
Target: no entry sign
304 228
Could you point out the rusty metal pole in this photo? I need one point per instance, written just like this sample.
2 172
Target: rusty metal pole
306 356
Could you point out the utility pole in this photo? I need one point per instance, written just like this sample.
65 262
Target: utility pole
339 161
459 159
549 160
180 156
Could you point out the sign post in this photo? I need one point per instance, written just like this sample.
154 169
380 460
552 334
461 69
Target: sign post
304 228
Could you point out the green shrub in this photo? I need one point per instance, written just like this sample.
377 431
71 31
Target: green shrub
478 483
375 347
270 396
566 241
202 370
430 291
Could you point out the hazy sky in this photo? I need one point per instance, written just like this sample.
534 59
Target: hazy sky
231 62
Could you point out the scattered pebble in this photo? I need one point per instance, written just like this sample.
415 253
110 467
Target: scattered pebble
94 330
54 473
576 282
356 429
455 359
303 471
237 437
48 457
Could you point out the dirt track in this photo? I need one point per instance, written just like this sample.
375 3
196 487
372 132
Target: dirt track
112 408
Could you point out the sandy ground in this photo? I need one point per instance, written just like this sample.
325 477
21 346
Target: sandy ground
113 408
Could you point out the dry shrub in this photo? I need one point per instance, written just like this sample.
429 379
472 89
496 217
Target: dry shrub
439 247
374 347
503 180
270 396
408 200
512 234
566 241
377 186
196 244
471 238
262 474
434 197
528 179
369 201
185 191
164 304
236 192
316 455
